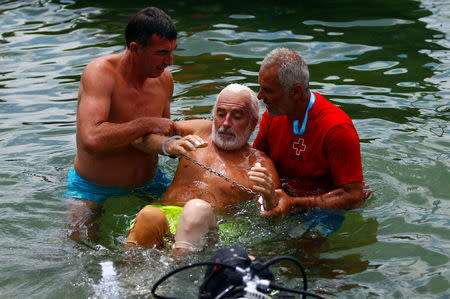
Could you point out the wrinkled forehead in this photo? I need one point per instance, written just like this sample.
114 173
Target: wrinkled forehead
232 100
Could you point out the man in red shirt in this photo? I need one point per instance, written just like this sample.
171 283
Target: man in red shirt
312 142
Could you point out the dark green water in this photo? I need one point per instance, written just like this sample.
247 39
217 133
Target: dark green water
386 63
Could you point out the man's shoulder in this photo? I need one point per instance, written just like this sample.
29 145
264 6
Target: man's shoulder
108 62
248 153
105 66
167 79
166 75
201 127
328 113
100 74
258 155
274 123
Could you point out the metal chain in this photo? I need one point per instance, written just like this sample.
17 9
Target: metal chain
254 193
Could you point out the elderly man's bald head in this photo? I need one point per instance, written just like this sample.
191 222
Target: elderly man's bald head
236 88
236 114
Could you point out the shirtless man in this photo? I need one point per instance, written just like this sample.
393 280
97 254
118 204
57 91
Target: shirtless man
221 145
121 98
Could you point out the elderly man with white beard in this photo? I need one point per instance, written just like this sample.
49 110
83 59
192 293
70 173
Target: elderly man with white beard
195 193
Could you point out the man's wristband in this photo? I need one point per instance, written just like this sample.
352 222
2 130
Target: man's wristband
165 153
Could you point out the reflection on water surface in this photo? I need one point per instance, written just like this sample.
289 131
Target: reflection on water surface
386 64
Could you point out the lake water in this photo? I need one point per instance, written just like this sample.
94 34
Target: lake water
386 63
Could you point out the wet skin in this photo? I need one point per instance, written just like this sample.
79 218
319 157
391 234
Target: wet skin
121 98
192 181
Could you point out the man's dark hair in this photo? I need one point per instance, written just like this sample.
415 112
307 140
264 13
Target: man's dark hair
146 22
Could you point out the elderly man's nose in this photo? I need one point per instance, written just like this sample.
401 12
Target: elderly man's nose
227 121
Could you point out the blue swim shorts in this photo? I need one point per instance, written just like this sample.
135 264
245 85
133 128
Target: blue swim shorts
324 222
77 187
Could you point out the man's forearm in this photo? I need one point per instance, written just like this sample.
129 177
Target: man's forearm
345 198
150 144
106 136
321 201
109 136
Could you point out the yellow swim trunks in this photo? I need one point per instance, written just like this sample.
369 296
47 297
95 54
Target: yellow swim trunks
172 214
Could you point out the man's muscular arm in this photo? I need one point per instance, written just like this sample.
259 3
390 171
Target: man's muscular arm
94 132
189 129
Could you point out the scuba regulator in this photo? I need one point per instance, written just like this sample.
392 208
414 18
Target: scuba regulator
230 273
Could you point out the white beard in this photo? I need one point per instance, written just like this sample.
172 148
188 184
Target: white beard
230 145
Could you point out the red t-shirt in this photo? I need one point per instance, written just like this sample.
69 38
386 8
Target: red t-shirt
327 155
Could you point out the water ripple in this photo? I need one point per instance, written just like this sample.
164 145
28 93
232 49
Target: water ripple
387 67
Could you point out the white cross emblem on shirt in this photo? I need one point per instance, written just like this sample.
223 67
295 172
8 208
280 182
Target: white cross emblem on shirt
299 146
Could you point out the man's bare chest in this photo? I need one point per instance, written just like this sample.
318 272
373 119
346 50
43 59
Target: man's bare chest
129 103
223 174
